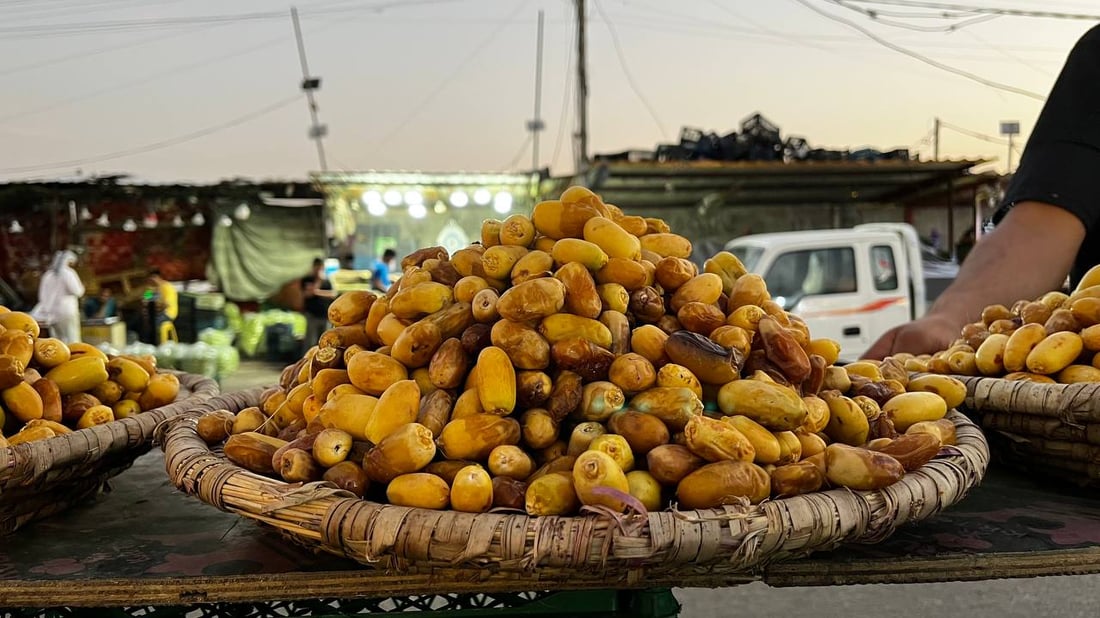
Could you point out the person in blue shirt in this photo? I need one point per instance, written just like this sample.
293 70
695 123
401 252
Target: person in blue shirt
380 271
102 305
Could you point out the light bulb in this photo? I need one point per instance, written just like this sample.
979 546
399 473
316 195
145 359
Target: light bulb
371 197
482 197
392 198
103 220
150 220
376 208
129 225
417 211
225 221
439 207
15 228
198 220
242 212
502 202
414 197
177 221
459 199
85 214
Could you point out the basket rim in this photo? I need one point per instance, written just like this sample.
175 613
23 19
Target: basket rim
31 461
195 469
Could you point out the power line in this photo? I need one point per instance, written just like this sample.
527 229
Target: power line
765 29
169 72
974 134
626 70
876 17
159 145
566 94
519 154
45 30
983 9
427 100
925 59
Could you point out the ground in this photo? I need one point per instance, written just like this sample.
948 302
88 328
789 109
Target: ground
1070 596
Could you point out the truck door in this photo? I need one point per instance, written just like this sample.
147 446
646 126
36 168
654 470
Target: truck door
821 286
889 292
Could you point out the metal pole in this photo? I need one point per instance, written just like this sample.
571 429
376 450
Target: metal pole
1008 170
582 94
536 126
315 130
936 140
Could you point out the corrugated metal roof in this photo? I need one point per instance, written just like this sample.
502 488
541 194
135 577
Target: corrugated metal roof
754 183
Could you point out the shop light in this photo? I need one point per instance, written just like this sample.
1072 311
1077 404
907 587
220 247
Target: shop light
417 211
198 220
371 197
242 212
414 198
85 214
482 197
177 221
502 202
15 228
459 199
129 225
439 207
103 220
225 221
392 198
376 208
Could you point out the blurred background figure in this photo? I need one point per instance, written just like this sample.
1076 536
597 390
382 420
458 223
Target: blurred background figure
162 307
380 271
59 295
316 296
102 305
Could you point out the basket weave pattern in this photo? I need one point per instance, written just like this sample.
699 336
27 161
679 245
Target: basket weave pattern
44 477
1033 426
734 539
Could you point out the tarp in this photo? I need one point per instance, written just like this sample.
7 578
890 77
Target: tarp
252 259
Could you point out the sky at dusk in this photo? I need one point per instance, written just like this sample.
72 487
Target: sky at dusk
200 90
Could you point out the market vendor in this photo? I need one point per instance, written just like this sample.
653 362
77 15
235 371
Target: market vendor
1048 224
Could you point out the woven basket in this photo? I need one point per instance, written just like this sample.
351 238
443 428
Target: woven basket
689 544
1053 428
41 478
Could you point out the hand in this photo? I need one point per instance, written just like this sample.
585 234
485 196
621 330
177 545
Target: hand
927 335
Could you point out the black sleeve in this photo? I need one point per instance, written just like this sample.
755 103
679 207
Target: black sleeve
1061 162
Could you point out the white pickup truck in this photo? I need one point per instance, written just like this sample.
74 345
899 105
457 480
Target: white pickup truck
851 285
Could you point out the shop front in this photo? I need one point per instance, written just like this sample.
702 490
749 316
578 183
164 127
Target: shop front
378 210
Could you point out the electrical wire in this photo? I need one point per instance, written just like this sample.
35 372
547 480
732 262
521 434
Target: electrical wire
453 75
974 134
983 9
519 154
925 59
566 94
98 51
626 69
152 77
77 28
876 17
158 145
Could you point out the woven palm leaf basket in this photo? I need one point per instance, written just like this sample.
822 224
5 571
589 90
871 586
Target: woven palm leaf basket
45 477
1040 427
694 545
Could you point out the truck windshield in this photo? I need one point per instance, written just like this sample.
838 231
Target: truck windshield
748 254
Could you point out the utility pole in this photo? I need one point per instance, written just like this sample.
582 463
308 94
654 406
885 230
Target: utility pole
1010 129
936 140
537 125
581 147
317 131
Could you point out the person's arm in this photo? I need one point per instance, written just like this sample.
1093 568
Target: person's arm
72 283
1027 255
